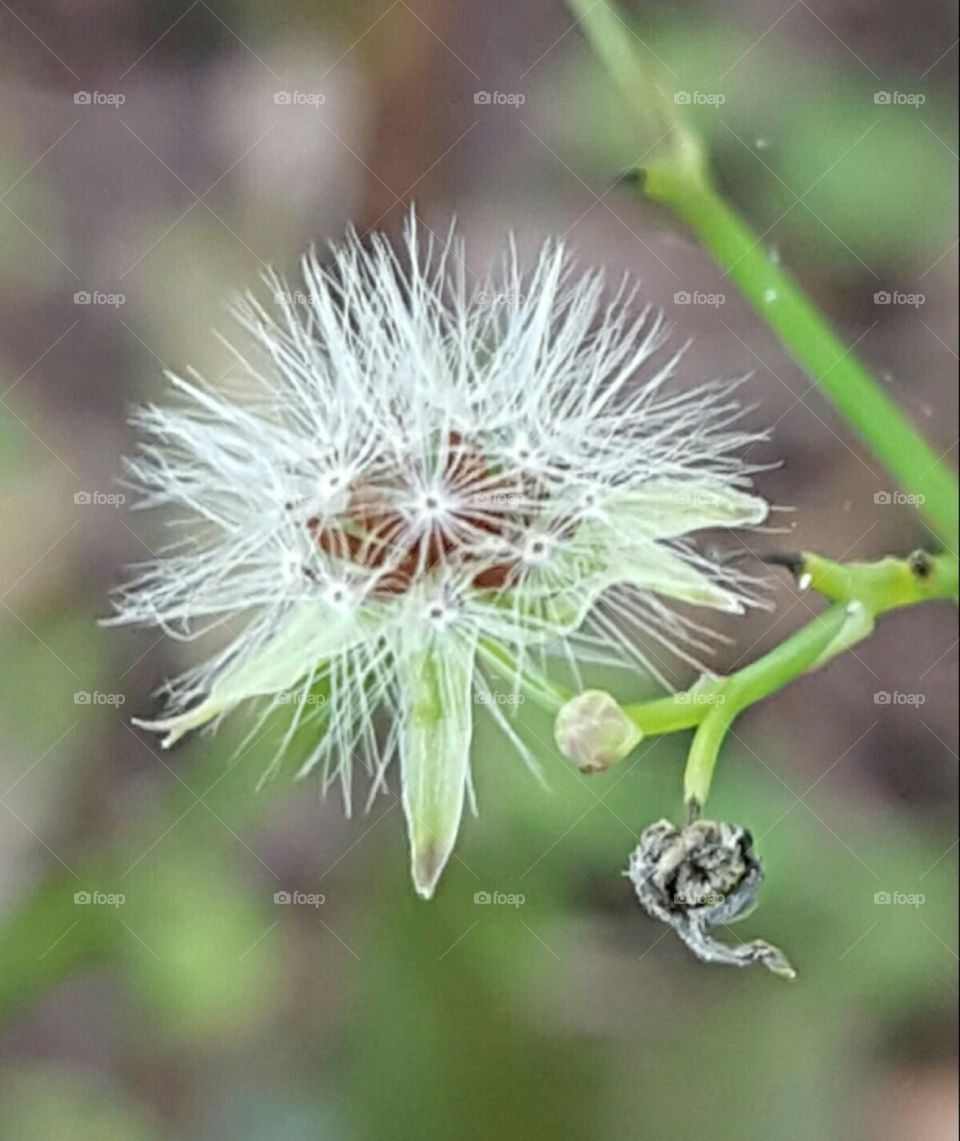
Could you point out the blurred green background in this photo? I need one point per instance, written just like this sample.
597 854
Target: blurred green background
151 985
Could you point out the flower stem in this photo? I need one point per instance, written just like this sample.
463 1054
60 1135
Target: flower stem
792 658
804 331
702 758
677 176
859 592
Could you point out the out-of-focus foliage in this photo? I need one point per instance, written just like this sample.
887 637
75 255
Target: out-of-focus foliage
800 140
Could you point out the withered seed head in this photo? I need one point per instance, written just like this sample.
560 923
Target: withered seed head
697 877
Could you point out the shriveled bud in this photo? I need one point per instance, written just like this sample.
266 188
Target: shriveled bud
593 730
700 877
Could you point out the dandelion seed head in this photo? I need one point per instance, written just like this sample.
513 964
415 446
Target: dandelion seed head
411 474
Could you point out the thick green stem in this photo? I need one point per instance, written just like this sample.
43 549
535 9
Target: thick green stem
702 758
665 714
794 657
677 175
833 366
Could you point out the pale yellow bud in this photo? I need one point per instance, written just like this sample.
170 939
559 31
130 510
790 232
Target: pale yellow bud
593 730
